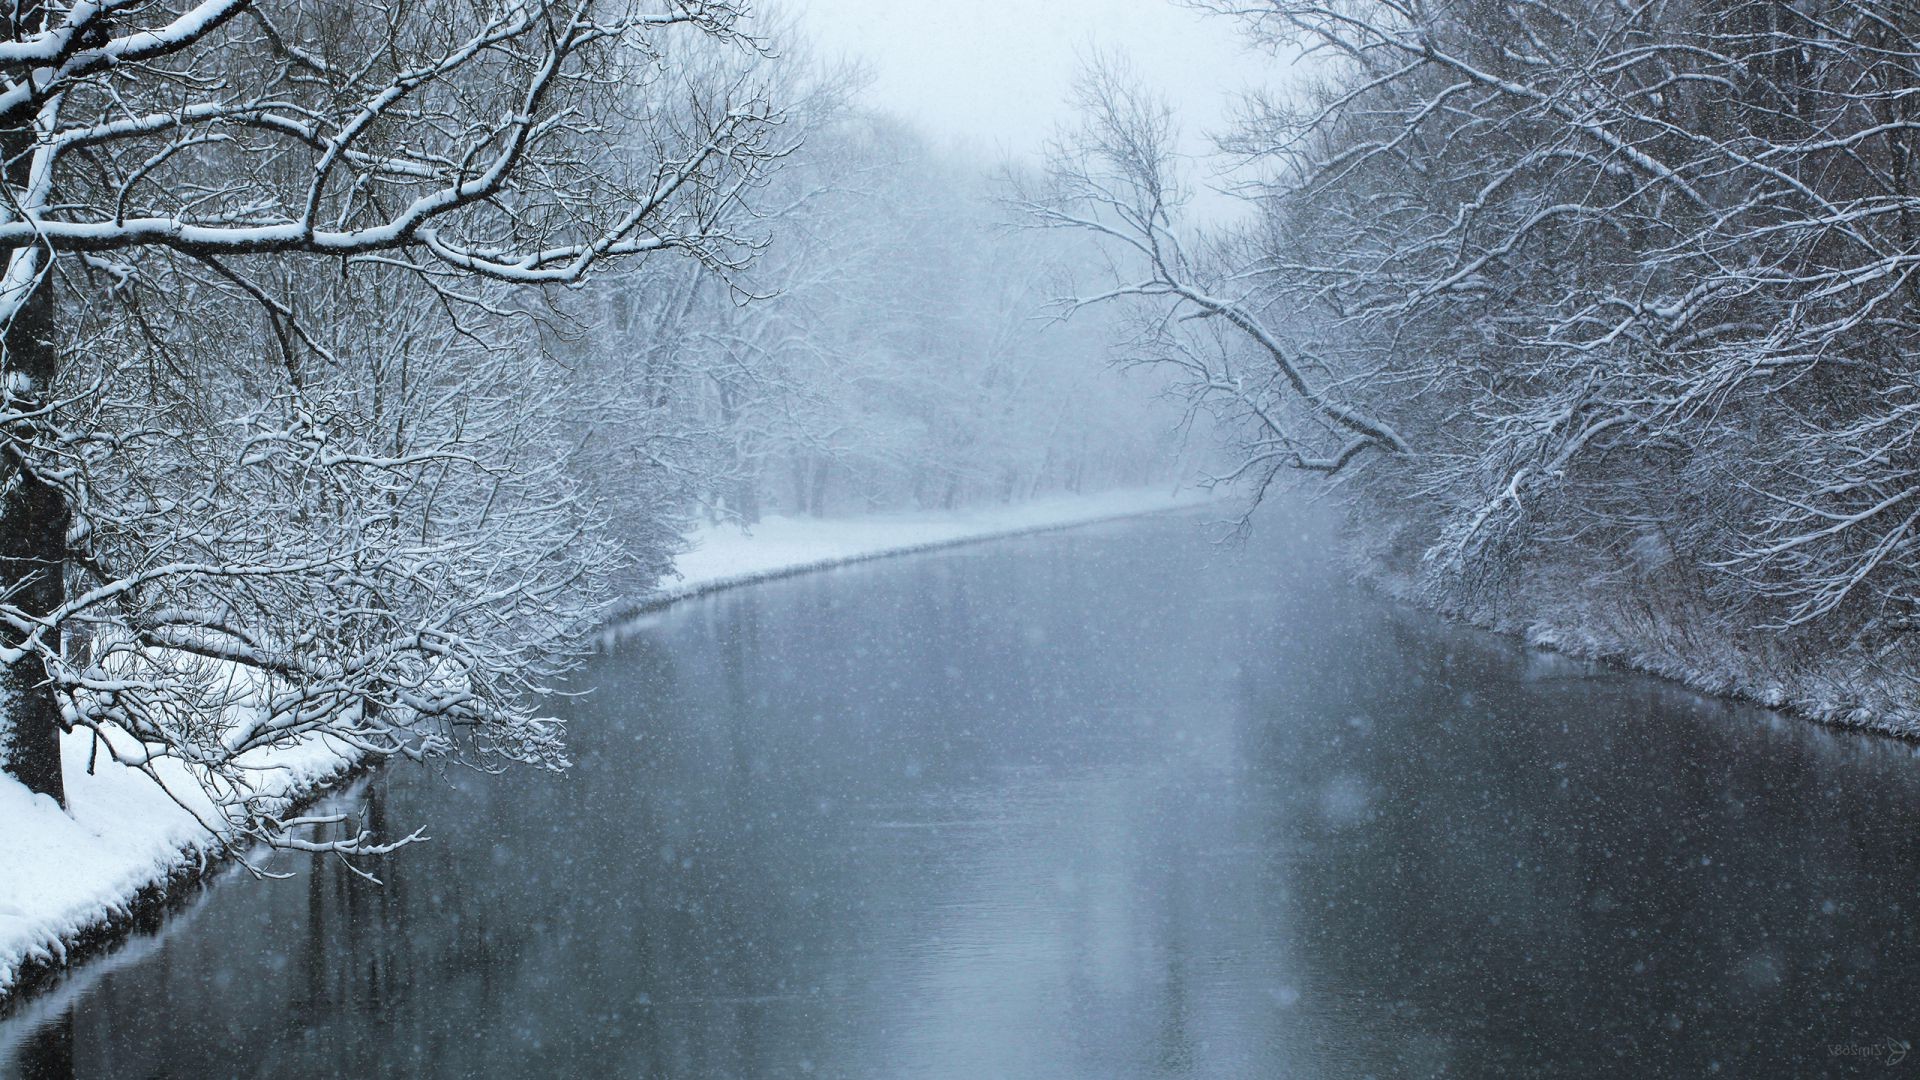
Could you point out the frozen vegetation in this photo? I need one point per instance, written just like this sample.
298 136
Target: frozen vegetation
1599 320
357 371
358 368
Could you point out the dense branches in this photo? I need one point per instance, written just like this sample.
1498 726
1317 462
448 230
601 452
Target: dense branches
888 350
1634 284
358 355
286 464
1115 178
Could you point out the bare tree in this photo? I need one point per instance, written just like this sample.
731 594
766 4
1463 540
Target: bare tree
1636 281
887 349
192 155
1198 312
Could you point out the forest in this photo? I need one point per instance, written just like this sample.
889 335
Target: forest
1597 323
1341 575
358 359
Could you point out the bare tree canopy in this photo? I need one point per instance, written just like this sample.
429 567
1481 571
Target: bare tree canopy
361 189
1637 275
358 357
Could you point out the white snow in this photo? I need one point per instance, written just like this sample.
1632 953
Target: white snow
63 875
727 555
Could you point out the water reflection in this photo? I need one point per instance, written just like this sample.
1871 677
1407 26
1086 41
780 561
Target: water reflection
1104 804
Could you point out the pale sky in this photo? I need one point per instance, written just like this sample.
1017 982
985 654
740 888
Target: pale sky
994 74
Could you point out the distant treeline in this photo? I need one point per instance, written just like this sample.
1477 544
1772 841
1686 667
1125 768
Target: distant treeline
890 347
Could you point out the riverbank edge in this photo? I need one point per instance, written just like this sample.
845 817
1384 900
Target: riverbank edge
43 962
1843 700
143 907
620 624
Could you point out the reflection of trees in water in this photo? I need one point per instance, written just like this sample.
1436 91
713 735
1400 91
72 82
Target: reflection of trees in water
365 948
1288 831
1603 872
47 1051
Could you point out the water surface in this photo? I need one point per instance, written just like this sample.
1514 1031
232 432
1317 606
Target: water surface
1107 803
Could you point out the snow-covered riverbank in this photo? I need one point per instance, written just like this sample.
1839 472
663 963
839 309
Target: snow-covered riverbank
1578 610
73 881
725 556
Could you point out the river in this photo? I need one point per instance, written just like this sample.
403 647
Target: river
1106 803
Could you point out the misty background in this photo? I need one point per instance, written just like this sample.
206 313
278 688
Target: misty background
390 383
357 370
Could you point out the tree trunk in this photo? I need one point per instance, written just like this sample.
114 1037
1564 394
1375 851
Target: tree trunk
33 549
817 498
746 490
33 514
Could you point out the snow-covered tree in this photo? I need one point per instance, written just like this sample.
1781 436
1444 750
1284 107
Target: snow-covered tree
359 527
890 347
1618 293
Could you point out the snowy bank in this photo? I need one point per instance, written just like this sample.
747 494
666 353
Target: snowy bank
1580 610
72 883
725 556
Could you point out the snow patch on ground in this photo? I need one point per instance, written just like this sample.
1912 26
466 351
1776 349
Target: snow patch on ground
67 876
727 555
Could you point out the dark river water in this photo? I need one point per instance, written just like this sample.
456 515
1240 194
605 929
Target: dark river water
1106 803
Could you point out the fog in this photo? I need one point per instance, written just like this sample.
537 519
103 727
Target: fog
995 78
369 373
